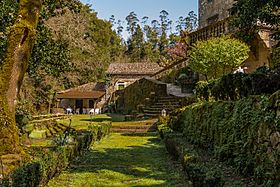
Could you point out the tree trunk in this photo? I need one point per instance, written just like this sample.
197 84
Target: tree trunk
20 44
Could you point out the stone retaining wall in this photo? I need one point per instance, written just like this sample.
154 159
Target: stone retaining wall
245 134
141 92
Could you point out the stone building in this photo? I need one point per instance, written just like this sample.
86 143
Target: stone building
212 11
82 99
124 74
214 21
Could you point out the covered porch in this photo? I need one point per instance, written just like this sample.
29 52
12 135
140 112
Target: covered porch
79 102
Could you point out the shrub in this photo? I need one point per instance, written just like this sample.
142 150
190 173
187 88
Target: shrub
217 56
240 85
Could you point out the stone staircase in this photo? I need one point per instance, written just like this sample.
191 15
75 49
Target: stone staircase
176 91
132 127
168 103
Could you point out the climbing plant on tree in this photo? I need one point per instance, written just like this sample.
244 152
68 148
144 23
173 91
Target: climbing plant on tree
20 43
217 56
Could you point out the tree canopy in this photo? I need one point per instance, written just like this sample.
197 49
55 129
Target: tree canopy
217 56
249 15
74 46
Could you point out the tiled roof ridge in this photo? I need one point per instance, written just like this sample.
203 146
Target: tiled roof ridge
88 86
133 68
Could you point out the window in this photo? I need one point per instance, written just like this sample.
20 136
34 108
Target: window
213 19
120 85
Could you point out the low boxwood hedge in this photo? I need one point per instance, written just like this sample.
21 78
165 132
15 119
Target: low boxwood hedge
46 162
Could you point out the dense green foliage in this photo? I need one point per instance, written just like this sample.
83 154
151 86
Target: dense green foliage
200 166
76 51
217 56
240 85
80 48
250 15
245 134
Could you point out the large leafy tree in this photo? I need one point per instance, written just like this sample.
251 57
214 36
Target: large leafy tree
217 56
20 43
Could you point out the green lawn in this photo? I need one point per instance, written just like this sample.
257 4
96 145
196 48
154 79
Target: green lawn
83 121
122 160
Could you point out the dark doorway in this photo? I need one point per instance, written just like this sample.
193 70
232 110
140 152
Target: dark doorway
91 103
79 105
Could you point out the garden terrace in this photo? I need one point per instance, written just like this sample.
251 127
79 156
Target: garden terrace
49 156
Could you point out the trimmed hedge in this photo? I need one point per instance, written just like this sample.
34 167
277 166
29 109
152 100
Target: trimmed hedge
246 134
240 85
48 162
199 171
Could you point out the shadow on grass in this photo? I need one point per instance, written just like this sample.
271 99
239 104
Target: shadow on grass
111 117
140 134
96 120
146 165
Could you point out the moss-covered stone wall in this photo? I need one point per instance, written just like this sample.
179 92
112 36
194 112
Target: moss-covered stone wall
245 134
142 91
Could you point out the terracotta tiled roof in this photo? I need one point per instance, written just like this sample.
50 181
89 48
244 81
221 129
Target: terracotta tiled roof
133 68
93 86
87 91
73 94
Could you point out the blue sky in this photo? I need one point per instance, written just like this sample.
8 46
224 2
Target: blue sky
150 8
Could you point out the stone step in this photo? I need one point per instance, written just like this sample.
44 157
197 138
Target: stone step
166 103
152 115
51 130
48 133
57 129
62 127
166 107
132 130
153 111
169 97
132 127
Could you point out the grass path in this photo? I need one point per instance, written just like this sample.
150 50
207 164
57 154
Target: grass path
122 160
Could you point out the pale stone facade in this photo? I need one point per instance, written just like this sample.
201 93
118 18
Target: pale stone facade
212 11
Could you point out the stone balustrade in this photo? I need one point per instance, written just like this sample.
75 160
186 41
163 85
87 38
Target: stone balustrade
217 29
